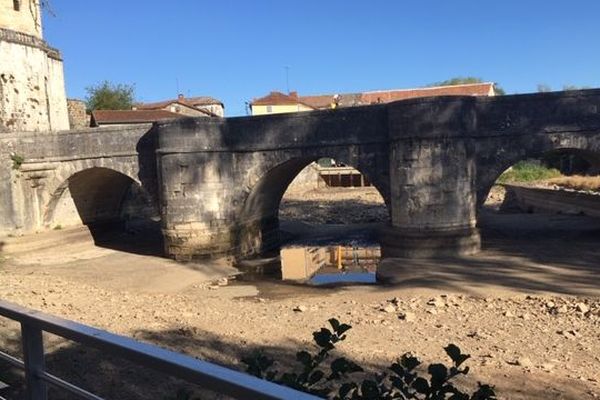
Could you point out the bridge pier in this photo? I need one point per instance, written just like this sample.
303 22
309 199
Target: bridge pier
196 197
433 203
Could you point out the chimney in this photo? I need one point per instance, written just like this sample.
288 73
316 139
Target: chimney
180 97
294 95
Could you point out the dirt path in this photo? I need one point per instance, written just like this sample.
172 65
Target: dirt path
527 310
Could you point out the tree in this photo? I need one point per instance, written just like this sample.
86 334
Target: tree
109 96
543 88
575 87
459 80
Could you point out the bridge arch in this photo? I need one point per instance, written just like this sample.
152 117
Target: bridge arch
258 214
490 168
90 196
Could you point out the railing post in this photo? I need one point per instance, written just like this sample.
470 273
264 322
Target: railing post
33 357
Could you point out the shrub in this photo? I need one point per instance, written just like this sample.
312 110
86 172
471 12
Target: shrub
401 380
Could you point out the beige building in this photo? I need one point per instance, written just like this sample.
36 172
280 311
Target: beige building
203 106
32 90
278 103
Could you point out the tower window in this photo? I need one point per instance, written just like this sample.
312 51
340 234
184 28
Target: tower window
17 5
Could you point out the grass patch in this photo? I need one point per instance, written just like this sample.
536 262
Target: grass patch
526 171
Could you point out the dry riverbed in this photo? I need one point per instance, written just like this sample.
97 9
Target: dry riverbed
532 339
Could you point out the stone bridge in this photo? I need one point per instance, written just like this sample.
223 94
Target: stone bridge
216 184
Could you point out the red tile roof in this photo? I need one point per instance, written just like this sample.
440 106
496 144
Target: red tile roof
385 96
278 98
187 101
131 116
380 96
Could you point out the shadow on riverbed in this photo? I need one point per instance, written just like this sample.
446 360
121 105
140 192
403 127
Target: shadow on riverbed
522 252
142 237
114 378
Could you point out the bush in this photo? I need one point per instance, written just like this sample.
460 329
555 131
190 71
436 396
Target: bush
401 380
527 171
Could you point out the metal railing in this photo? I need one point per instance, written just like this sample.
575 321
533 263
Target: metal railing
204 374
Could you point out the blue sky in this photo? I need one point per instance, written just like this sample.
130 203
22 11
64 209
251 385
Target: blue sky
239 50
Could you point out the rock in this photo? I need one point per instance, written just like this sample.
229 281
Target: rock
582 308
436 302
525 316
300 308
523 362
223 282
395 301
550 304
407 316
508 314
547 366
562 309
388 309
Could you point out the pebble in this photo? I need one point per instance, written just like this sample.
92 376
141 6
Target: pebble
300 308
388 309
407 316
582 308
436 302
524 362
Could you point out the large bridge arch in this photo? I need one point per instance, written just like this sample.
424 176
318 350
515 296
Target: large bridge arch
86 182
508 152
258 214
97 193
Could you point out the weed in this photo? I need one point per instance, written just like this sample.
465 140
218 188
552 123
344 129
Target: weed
17 160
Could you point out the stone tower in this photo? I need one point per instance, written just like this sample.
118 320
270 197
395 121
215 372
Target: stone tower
32 89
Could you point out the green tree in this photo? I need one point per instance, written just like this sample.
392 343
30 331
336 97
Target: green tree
460 80
109 96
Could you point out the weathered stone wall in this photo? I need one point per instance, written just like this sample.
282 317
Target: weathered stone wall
27 19
222 181
78 117
32 92
307 179
37 189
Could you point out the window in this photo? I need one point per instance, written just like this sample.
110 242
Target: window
269 109
17 5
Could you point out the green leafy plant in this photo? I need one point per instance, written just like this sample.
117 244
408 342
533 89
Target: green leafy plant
17 160
336 379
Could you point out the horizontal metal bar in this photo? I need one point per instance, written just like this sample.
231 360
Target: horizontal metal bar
56 381
14 361
211 376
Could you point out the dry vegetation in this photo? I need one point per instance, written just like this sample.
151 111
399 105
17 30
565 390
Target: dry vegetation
577 182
